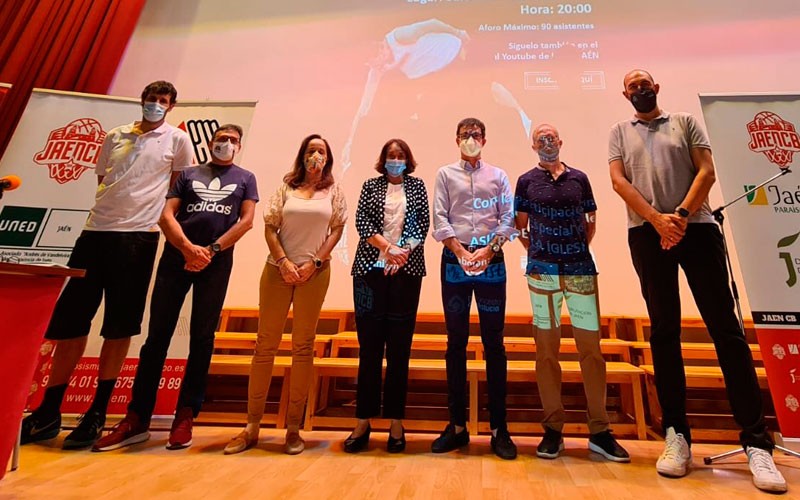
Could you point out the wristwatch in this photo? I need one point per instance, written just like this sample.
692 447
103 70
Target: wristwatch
215 248
496 247
682 212
317 262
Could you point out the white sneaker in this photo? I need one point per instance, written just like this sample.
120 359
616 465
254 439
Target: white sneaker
766 476
677 456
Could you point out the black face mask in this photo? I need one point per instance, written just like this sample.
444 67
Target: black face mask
644 100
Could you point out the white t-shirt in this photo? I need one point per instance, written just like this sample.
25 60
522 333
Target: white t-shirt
394 213
136 170
304 226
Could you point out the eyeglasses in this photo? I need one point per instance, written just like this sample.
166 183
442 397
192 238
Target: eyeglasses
475 134
227 138
547 140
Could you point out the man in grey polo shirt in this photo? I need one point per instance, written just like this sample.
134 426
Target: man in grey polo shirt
661 166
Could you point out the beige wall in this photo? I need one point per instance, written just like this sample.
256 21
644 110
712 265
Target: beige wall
306 66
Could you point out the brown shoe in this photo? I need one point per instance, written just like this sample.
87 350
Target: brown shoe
241 442
294 443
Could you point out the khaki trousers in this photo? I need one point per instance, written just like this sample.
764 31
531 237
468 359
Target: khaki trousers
548 293
275 297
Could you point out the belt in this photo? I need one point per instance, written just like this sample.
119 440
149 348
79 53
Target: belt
471 248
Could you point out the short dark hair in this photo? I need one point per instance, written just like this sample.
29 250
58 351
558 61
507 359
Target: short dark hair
471 122
230 127
295 177
411 163
161 87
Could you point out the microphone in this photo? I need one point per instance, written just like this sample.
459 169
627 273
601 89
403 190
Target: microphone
10 182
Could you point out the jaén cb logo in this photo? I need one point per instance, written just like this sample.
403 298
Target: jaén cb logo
775 137
71 150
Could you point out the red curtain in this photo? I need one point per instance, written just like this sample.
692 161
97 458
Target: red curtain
60 44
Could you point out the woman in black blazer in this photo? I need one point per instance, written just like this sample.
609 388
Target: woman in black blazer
392 221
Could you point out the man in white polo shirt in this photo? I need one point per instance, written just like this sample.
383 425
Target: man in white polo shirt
137 164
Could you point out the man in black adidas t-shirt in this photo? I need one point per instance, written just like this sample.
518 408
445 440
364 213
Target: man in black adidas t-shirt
208 209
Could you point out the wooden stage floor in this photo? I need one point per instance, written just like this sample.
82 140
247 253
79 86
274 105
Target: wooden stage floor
324 471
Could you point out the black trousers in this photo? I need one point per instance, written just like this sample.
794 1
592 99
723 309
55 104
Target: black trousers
490 294
386 314
701 256
208 295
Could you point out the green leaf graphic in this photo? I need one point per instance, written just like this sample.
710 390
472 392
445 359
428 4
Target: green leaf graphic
788 240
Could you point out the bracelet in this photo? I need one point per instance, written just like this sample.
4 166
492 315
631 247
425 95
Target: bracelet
278 262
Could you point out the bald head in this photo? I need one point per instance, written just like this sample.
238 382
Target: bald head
544 129
546 143
637 79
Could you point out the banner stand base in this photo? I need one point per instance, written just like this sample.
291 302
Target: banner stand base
778 447
789 443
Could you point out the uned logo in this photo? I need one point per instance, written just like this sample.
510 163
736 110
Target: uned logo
72 150
20 225
775 137
200 132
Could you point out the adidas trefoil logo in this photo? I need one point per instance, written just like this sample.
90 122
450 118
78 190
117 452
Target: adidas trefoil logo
210 195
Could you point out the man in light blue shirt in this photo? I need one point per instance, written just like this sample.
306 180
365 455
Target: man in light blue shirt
473 216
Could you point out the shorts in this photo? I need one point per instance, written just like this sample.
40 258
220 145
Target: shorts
118 267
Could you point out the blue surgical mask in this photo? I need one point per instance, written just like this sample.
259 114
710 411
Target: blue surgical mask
153 112
395 168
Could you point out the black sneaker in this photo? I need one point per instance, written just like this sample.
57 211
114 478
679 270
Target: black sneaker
448 440
90 425
605 444
38 427
503 446
552 444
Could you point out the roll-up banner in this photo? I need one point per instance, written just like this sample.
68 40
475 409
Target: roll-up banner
754 137
54 152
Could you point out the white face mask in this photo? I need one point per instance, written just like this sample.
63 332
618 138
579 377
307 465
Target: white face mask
153 112
223 151
470 147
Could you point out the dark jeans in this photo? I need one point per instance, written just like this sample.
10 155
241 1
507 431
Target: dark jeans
701 255
490 294
171 286
386 314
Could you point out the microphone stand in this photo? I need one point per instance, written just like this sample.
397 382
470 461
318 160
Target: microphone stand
720 218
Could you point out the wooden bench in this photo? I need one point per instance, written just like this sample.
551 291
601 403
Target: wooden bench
438 342
237 364
246 341
229 313
640 323
703 351
607 323
627 375
697 377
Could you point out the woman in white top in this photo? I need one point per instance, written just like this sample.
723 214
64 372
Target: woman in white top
303 222
392 220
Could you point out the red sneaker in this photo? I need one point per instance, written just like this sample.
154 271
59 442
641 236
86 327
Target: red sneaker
180 435
128 431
